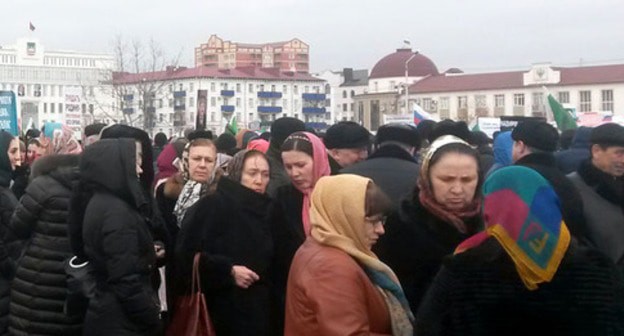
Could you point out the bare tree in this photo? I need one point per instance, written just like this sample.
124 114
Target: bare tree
138 76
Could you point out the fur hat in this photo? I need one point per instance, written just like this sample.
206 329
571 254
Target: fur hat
346 134
537 134
609 134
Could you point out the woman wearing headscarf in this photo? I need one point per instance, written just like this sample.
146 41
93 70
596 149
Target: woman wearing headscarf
231 230
200 173
117 241
305 160
443 211
38 291
337 285
9 160
525 274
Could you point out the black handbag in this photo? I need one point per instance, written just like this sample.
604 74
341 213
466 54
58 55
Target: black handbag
80 280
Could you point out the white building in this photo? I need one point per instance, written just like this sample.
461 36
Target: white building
254 96
57 86
340 89
521 93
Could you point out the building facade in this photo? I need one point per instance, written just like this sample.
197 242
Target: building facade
57 86
385 91
341 88
253 96
522 93
287 56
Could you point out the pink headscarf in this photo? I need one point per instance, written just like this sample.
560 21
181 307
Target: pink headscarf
320 168
62 142
258 144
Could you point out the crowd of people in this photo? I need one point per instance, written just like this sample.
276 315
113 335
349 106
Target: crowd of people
427 230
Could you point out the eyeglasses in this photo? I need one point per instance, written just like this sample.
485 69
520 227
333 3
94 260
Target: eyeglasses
376 219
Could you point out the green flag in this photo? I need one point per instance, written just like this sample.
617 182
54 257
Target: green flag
562 116
232 126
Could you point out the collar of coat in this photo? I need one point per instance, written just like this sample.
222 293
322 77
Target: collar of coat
607 186
392 151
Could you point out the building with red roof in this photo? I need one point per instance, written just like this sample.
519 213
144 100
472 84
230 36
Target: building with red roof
287 56
254 96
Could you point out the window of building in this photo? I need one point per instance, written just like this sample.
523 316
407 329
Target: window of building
251 88
273 88
285 89
52 107
607 100
426 104
191 87
250 103
60 107
238 102
585 100
444 103
170 102
344 107
160 103
344 94
351 107
285 103
499 100
212 116
352 93
45 107
170 88
213 101
213 87
191 101
462 102
538 101
564 97
160 117
181 87
238 87
519 99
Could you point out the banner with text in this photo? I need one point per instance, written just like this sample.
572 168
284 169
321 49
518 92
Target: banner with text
8 112
73 112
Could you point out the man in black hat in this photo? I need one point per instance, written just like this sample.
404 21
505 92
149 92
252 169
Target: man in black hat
534 144
601 185
347 143
392 165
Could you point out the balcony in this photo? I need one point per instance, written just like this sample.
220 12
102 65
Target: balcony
315 110
227 108
128 97
313 96
269 109
180 107
227 93
179 94
269 94
128 110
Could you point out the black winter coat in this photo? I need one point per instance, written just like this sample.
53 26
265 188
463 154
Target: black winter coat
415 243
392 168
288 236
479 292
8 253
38 291
569 160
118 243
569 196
230 228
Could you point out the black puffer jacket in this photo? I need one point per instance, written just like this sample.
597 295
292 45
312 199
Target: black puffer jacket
7 205
38 290
118 243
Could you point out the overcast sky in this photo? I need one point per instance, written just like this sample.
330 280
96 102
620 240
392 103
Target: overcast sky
474 35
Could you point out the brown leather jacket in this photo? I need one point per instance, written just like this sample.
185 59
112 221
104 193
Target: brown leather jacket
329 294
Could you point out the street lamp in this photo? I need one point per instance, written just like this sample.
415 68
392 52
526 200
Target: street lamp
406 79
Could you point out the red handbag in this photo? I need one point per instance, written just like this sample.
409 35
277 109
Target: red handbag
191 316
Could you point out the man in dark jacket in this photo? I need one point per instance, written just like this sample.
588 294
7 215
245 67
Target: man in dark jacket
601 186
570 159
533 147
392 166
347 143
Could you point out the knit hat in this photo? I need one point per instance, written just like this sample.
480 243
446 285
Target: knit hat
450 127
346 134
536 134
282 128
225 142
609 134
403 133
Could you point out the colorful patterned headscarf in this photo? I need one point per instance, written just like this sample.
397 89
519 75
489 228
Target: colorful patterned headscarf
522 211
338 216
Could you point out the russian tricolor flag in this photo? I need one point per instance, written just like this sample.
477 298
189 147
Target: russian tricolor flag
420 114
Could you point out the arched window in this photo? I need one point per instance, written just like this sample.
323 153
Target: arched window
344 94
352 93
